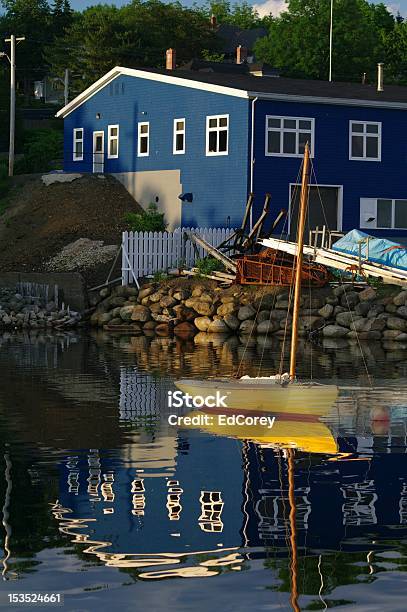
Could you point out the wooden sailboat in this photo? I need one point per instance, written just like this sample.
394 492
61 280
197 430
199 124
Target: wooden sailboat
282 392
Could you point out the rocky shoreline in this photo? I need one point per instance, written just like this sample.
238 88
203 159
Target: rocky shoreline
20 312
174 307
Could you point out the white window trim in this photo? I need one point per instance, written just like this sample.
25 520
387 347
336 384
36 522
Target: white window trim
139 136
393 215
216 153
282 130
379 136
75 140
175 133
110 138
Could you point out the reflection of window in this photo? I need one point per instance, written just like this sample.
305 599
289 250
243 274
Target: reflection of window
365 140
143 147
287 136
78 144
392 214
179 136
217 130
113 137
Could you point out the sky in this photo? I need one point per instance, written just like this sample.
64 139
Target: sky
264 7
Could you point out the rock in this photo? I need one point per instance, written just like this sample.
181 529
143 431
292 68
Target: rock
391 308
335 331
349 299
375 310
140 313
126 313
278 315
104 293
367 295
313 303
310 323
358 324
326 311
115 321
332 300
202 323
183 313
156 297
225 309
246 312
203 308
168 301
365 335
105 318
283 305
197 291
267 327
375 324
180 295
247 327
155 307
362 308
264 315
338 309
163 329
218 327
397 323
341 289
149 325
184 330
206 297
232 322
227 299
402 337
346 318
402 312
400 299
117 301
391 334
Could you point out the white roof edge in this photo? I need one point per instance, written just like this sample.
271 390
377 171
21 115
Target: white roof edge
152 76
328 100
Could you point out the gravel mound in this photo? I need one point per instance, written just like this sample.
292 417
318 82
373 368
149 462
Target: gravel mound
82 254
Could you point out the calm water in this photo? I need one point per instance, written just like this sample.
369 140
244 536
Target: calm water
106 503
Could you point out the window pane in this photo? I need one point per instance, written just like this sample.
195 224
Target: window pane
179 142
290 123
213 142
223 122
113 131
372 129
180 125
223 140
213 123
78 148
144 129
400 214
113 147
143 144
357 127
357 146
302 140
289 142
372 147
273 142
274 123
305 125
384 213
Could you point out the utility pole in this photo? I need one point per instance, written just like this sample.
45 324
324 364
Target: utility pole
66 86
331 40
12 59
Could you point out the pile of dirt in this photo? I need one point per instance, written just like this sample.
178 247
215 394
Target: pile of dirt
42 220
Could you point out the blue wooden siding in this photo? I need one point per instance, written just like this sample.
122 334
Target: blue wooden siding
360 179
218 183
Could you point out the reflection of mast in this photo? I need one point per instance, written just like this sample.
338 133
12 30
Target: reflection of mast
6 524
293 531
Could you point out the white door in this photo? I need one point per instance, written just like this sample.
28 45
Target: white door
98 152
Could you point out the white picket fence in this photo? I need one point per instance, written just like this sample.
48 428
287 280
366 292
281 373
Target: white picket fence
145 253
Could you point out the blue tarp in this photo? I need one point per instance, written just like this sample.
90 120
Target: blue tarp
380 250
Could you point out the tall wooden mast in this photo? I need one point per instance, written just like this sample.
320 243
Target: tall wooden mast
299 258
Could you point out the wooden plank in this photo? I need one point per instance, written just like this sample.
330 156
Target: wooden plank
228 263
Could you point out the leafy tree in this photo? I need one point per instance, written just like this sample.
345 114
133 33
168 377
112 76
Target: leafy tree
241 14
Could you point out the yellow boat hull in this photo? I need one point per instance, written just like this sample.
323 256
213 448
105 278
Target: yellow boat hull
266 397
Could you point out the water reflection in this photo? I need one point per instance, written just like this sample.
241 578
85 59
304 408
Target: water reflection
86 419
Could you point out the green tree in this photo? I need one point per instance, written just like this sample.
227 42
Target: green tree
298 42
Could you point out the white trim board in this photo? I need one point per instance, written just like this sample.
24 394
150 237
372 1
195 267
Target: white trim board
339 217
220 89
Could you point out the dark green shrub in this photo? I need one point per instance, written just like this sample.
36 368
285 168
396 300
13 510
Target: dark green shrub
207 265
149 220
41 147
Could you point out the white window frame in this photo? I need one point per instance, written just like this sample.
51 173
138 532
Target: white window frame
76 157
110 138
295 130
139 136
216 129
175 134
364 135
373 224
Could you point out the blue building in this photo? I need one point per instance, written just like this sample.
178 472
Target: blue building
220 136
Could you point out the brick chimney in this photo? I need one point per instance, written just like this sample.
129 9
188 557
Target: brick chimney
241 55
170 59
214 22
